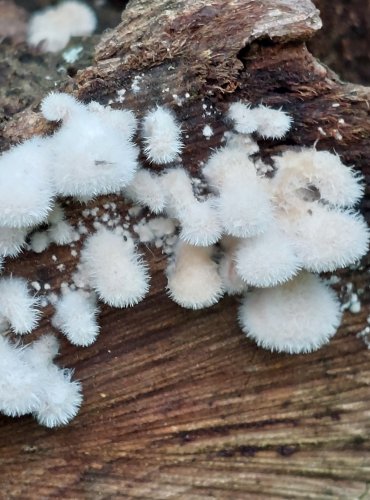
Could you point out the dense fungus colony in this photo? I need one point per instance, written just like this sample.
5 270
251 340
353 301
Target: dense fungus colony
259 236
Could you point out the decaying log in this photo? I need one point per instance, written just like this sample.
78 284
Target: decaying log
179 404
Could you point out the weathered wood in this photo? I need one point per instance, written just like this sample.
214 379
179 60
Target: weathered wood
178 404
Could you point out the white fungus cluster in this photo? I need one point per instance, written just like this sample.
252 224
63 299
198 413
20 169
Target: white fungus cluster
267 122
299 219
270 230
31 383
51 28
240 232
102 160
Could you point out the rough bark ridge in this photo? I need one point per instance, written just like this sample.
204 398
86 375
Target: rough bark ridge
178 404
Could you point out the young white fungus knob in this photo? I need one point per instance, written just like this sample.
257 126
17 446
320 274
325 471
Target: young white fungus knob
116 272
176 184
60 398
271 123
229 162
75 316
17 305
162 136
39 241
243 117
193 279
200 224
299 316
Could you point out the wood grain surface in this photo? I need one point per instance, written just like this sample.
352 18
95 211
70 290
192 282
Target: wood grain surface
179 404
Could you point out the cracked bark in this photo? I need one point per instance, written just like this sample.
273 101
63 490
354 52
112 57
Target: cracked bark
178 404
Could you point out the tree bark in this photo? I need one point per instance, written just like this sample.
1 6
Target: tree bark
179 404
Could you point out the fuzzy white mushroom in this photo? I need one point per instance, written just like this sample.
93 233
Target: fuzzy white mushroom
12 240
39 241
116 271
60 400
200 224
243 203
17 306
59 231
226 162
176 184
243 117
75 316
26 191
193 279
271 123
101 161
162 136
52 27
57 106
299 316
336 184
244 208
62 233
267 260
146 189
326 240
